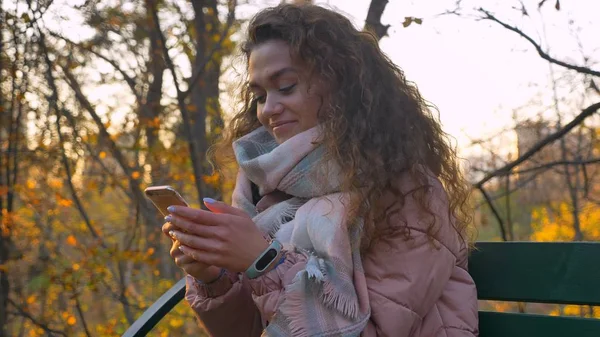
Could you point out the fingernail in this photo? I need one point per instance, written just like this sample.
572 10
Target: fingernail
171 209
168 218
172 234
209 200
182 249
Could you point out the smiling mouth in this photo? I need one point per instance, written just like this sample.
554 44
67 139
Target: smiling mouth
273 126
282 127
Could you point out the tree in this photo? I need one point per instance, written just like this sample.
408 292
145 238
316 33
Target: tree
563 149
88 121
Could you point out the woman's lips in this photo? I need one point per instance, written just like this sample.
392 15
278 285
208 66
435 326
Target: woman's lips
284 127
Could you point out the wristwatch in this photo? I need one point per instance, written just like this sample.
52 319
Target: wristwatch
265 260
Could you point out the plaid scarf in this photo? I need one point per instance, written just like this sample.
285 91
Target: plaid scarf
329 296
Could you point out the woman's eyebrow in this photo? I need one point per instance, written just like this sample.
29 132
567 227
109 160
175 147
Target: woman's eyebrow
273 76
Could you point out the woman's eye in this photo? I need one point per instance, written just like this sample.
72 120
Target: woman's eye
259 99
287 89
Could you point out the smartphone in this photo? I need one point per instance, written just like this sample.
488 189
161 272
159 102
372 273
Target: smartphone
164 196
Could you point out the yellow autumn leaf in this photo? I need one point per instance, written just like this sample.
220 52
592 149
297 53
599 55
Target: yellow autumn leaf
65 202
76 266
55 183
71 320
3 267
135 175
102 155
30 299
30 184
150 251
71 240
175 322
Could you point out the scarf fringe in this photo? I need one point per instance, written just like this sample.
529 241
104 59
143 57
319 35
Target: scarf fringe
345 303
315 268
294 305
313 279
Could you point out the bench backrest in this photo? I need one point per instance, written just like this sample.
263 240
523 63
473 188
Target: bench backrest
562 273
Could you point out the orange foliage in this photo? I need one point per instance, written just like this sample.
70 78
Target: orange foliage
556 223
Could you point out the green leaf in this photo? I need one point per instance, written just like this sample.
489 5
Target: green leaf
39 282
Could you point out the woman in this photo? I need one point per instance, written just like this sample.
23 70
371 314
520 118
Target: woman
349 211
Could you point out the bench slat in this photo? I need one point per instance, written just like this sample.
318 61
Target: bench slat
540 272
157 311
501 324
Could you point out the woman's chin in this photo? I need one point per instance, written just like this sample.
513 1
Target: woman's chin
285 132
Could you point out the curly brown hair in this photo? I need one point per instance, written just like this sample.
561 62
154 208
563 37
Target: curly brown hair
377 126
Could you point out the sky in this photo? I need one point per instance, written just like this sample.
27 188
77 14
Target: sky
476 72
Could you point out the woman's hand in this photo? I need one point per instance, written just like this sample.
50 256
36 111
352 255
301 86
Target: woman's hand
226 237
198 270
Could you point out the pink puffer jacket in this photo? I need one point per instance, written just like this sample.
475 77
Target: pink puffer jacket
417 287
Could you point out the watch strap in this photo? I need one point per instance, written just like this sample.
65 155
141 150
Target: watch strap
265 260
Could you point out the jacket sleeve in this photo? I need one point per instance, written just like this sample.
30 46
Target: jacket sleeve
225 307
409 270
229 306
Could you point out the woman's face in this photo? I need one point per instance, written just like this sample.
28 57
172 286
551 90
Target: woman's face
287 101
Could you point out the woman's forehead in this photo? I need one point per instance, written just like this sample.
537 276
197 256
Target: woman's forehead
271 60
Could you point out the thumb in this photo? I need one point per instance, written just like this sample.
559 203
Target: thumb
216 206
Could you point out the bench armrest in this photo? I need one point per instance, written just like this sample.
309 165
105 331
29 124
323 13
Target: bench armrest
157 310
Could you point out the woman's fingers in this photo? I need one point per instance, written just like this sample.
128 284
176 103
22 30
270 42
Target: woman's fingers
199 215
167 227
181 224
198 242
175 251
205 257
223 208
182 260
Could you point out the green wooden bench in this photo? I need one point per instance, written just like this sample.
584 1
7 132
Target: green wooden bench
561 273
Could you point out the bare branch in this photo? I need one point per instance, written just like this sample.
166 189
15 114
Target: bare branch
43 326
96 158
130 81
373 22
53 100
149 212
548 165
202 66
513 189
495 211
81 316
506 169
538 48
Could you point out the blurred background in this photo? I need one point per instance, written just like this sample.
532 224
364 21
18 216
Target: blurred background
101 98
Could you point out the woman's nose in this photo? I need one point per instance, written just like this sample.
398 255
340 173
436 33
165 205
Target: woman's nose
272 106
